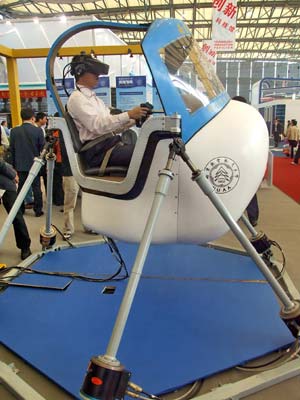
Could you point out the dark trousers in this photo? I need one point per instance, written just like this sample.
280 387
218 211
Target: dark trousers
43 173
297 155
120 156
276 138
58 191
36 188
20 228
293 144
252 209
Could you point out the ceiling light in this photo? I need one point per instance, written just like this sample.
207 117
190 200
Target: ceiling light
63 18
8 23
36 20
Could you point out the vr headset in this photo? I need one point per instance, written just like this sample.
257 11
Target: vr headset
86 63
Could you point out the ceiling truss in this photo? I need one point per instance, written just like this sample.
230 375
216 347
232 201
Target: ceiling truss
266 29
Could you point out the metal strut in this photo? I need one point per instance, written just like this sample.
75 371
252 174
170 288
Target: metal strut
38 162
106 367
106 377
290 312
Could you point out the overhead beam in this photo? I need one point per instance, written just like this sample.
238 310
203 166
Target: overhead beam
73 51
5 51
154 7
136 49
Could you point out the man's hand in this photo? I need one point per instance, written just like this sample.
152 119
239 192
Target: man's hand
17 179
138 112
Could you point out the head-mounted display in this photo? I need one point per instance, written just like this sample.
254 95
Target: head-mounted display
86 63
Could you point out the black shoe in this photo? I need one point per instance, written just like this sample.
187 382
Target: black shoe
253 223
39 213
25 253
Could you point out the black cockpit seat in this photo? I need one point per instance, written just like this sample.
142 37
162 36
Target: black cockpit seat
80 148
119 182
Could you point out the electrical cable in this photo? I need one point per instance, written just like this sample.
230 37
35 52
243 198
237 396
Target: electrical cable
275 244
62 235
74 275
190 393
278 361
65 73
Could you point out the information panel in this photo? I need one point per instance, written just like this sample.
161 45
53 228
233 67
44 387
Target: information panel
103 90
130 91
69 85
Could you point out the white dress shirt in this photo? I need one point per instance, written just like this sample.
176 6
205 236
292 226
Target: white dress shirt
4 139
92 117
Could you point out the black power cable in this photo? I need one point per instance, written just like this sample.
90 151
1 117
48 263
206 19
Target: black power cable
140 393
74 275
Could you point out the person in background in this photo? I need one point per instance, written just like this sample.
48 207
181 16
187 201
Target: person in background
293 136
71 190
27 142
29 199
58 191
4 142
41 121
8 180
296 133
277 131
93 119
4 125
252 208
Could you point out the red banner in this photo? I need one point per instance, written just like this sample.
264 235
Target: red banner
25 94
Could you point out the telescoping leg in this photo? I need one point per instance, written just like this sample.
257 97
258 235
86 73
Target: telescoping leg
106 378
33 173
290 311
48 232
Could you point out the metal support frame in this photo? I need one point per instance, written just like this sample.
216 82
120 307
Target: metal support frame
199 177
34 170
14 90
178 148
16 385
165 177
33 173
12 55
109 361
253 384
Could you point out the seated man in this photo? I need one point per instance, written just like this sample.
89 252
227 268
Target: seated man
93 119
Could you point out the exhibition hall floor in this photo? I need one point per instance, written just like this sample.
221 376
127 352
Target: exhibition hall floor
279 218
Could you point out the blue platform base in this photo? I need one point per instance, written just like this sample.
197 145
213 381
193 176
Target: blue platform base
197 311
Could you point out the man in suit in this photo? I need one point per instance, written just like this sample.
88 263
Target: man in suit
8 179
277 131
26 142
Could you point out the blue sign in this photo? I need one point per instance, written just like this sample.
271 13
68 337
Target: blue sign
103 90
130 91
69 85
